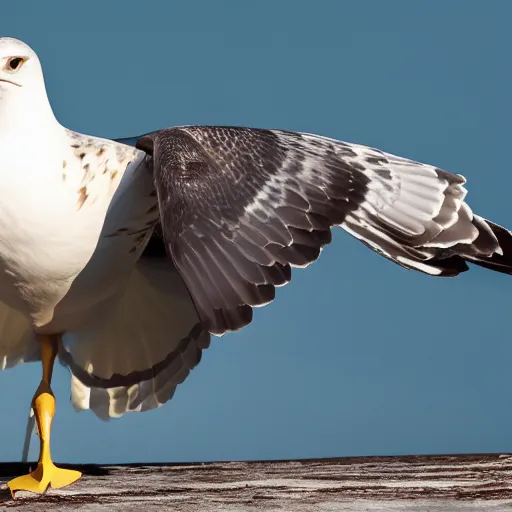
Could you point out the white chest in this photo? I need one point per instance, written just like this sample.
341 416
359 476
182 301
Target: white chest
45 241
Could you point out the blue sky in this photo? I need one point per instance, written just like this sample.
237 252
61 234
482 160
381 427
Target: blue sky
357 356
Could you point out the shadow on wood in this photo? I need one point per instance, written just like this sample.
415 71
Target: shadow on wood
412 483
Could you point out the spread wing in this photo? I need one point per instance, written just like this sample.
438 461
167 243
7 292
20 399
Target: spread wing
239 207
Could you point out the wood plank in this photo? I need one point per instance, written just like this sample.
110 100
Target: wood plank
412 483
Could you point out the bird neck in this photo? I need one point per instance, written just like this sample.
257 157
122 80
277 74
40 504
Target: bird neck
26 112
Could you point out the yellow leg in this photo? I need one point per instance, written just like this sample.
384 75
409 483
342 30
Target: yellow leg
46 474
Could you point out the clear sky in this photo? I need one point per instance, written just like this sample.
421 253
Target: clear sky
357 356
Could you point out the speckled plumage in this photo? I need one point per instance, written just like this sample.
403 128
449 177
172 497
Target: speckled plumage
101 166
241 206
77 214
137 250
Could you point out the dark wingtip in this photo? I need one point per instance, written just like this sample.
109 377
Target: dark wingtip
497 262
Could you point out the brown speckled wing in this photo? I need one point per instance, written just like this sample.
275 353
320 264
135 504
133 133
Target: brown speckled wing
101 164
239 207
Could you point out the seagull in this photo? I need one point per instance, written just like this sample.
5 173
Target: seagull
120 258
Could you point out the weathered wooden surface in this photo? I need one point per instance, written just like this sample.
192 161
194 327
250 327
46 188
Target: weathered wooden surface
420 483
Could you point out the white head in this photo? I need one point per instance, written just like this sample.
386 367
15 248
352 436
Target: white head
22 91
19 65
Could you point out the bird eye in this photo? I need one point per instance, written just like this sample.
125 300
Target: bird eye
15 63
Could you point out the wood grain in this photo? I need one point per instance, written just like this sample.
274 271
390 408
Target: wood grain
412 483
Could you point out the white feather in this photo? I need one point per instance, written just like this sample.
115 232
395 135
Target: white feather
140 330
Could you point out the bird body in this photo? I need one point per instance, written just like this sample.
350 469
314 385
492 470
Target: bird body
48 233
123 257
57 187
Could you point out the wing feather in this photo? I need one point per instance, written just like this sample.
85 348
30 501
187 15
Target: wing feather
239 207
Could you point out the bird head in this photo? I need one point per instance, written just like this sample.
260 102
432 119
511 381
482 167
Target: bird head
19 65
23 96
